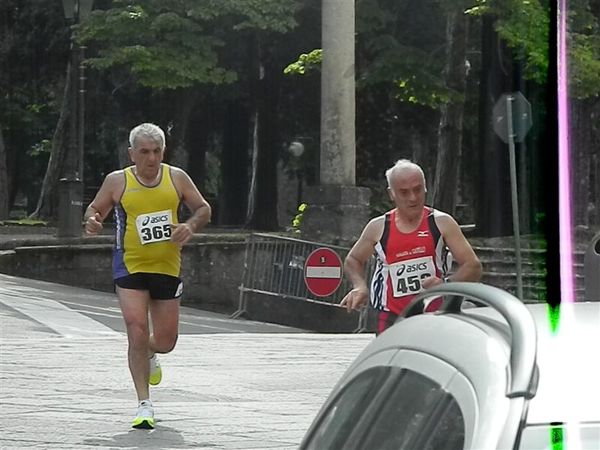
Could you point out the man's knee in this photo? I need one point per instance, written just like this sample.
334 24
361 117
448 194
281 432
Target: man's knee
137 330
164 344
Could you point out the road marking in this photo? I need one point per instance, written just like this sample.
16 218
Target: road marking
54 315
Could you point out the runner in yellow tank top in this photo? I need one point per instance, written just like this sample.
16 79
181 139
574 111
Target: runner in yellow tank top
147 253
143 218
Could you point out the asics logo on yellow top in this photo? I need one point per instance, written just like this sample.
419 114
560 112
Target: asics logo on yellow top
162 216
144 219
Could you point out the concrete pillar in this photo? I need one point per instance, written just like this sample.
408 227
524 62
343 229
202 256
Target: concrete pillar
335 214
337 208
338 156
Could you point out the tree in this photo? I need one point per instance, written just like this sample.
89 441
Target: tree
584 108
524 27
32 48
450 132
47 200
4 210
405 85
195 50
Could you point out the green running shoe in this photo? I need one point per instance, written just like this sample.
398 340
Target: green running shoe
155 371
144 419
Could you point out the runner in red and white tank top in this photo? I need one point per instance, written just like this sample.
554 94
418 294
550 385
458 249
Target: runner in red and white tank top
404 260
409 243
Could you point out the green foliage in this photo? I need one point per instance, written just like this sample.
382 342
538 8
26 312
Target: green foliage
176 43
33 57
524 25
404 45
584 76
306 63
297 221
583 50
25 222
410 65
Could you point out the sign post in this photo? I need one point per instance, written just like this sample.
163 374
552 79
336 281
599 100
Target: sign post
512 121
323 272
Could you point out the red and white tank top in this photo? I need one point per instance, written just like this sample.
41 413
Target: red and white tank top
404 259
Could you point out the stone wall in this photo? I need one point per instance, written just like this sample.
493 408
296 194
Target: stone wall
212 271
213 268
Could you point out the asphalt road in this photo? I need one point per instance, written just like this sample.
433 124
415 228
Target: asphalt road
17 295
229 384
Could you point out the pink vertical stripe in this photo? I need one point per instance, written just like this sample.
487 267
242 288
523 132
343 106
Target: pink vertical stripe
564 172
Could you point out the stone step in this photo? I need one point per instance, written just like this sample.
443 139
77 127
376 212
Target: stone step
536 291
511 278
508 253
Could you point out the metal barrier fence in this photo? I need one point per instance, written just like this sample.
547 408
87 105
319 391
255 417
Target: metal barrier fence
274 265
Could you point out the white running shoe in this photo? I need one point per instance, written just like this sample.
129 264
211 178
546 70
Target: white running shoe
144 418
155 371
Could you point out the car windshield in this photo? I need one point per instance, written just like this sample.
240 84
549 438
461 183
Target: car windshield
561 437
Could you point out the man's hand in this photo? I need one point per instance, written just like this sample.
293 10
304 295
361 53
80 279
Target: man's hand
430 282
355 299
93 224
181 233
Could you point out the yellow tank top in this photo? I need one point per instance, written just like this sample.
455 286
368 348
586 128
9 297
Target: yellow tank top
143 227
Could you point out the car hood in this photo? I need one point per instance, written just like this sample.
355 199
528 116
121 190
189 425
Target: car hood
569 365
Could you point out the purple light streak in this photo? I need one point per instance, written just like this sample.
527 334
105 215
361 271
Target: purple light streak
564 172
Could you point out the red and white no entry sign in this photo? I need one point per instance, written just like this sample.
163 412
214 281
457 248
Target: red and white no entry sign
323 272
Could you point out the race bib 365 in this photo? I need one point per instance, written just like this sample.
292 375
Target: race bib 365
154 226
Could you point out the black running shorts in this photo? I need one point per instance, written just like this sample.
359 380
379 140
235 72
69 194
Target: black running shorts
160 286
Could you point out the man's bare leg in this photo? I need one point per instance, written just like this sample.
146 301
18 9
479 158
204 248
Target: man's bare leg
134 306
165 325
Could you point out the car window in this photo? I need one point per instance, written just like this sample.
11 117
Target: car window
346 409
404 416
449 432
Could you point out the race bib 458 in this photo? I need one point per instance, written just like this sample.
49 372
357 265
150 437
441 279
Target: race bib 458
407 275
154 226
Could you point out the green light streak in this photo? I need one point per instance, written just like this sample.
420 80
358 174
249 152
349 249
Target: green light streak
556 438
553 318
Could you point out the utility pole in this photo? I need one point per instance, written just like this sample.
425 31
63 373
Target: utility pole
70 188
337 208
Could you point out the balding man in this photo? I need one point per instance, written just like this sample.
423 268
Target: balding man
409 243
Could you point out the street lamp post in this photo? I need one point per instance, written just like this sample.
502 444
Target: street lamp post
71 186
296 148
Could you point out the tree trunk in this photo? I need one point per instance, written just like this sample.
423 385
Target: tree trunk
494 207
581 134
264 215
4 204
451 119
253 168
199 128
234 168
177 151
47 202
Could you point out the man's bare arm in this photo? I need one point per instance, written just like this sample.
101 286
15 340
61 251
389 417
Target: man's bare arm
469 266
355 263
197 204
105 199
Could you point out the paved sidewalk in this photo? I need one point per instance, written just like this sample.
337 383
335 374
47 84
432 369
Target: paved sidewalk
219 391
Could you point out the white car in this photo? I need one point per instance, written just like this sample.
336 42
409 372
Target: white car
504 376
